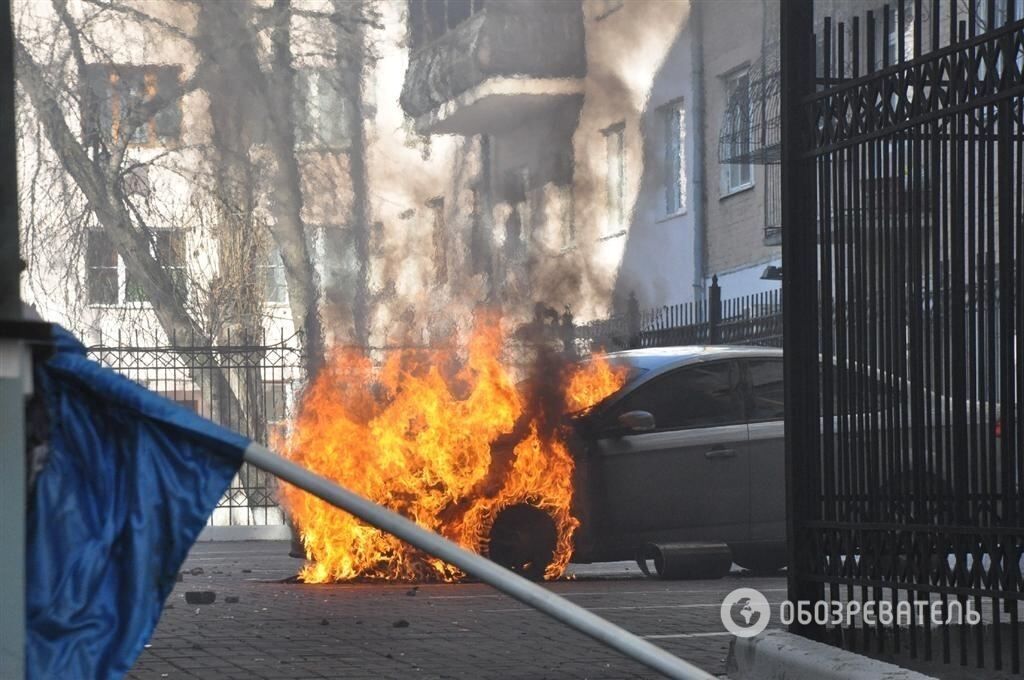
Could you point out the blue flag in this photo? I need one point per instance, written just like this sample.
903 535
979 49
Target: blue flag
129 481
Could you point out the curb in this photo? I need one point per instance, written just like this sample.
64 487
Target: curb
779 655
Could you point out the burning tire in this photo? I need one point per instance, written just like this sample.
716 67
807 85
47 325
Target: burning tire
523 539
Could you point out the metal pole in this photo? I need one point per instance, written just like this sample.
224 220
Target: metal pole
799 291
13 366
527 592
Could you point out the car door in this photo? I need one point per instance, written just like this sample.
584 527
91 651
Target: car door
767 451
687 479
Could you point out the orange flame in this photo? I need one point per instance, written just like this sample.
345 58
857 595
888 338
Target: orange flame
424 444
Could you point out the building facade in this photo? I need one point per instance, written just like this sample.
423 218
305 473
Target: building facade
600 125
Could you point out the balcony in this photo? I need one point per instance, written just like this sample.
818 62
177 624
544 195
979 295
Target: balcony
482 66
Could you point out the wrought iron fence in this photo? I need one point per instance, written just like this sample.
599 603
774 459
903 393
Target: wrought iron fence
754 319
246 384
904 274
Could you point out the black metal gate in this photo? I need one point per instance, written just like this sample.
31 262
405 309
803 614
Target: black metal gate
904 305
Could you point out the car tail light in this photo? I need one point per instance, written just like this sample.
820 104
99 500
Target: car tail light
999 427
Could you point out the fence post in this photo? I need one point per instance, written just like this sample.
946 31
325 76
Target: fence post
714 311
633 320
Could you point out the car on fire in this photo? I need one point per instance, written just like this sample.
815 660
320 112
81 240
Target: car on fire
683 464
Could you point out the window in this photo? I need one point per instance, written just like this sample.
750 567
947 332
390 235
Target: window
430 19
518 223
674 118
767 396
853 389
275 284
321 110
116 98
168 247
337 262
101 269
1001 13
892 38
275 401
110 282
738 175
439 234
705 395
479 245
615 176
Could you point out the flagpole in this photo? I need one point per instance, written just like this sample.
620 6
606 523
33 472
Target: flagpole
513 585
13 379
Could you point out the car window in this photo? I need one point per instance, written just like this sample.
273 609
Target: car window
767 393
855 388
851 390
703 395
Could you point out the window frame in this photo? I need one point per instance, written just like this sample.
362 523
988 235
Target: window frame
270 398
615 187
608 427
90 267
748 388
111 100
124 297
274 267
439 239
673 118
308 100
730 171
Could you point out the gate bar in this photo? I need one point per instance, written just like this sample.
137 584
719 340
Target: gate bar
513 585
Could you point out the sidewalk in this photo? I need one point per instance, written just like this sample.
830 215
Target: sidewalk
280 629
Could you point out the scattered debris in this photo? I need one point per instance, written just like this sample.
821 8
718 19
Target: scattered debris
231 599
400 623
247 571
200 597
412 592
197 571
324 622
181 577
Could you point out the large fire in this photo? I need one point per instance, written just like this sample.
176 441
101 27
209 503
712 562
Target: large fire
447 447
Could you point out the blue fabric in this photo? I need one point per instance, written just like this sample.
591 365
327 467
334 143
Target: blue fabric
130 480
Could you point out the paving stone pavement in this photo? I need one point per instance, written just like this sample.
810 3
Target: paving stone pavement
279 629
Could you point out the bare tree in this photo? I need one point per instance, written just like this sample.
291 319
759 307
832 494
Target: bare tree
85 125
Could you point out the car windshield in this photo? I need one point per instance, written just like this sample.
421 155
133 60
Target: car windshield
632 373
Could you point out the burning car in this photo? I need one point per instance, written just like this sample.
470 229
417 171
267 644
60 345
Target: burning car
683 463
652 450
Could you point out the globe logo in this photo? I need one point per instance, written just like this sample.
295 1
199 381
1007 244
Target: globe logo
745 612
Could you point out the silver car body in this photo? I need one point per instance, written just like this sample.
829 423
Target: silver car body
709 478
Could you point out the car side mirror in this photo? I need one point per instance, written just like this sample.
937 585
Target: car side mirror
637 421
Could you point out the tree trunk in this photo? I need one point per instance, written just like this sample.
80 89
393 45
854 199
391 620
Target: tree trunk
351 58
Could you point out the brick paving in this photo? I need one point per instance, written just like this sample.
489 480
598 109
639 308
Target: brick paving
279 629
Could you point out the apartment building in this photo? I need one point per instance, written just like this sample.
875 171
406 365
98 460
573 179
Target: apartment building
619 148
570 153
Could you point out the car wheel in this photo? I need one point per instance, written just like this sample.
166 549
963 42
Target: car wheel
523 539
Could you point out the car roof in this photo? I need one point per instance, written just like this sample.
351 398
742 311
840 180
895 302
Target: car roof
654 358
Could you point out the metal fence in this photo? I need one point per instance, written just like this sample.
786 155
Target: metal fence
754 319
903 272
245 384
